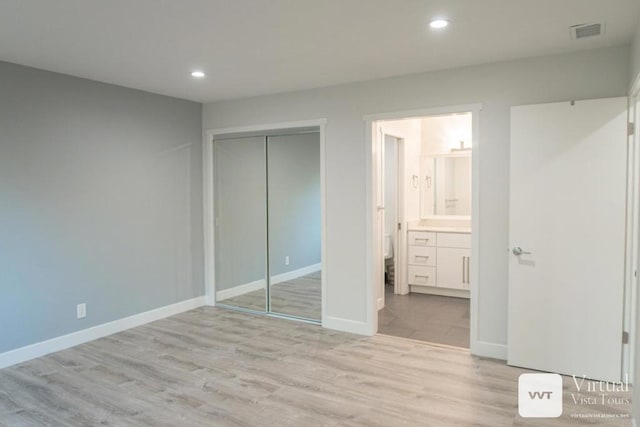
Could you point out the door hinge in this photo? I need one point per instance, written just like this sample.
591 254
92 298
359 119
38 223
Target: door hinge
399 226
631 129
625 337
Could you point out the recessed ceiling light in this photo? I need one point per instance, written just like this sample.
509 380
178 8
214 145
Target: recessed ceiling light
197 74
439 23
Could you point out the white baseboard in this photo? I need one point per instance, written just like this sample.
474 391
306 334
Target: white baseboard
346 325
447 292
53 345
489 349
240 290
290 275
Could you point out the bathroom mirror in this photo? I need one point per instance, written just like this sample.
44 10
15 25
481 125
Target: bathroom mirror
445 188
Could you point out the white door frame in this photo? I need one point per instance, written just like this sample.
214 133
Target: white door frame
208 200
632 261
371 260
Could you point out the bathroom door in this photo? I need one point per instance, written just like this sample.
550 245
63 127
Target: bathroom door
379 215
567 237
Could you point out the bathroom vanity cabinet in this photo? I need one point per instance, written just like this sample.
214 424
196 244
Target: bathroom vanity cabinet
439 262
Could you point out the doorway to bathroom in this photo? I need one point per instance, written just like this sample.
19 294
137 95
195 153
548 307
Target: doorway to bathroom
423 170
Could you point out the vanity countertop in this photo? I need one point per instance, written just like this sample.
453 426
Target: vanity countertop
441 229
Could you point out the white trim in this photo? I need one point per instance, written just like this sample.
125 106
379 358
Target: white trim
476 347
267 126
240 290
371 313
347 325
294 274
323 217
492 350
435 111
208 198
63 342
434 290
208 218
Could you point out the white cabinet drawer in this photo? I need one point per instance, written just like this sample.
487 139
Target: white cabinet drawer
422 238
419 275
454 240
423 255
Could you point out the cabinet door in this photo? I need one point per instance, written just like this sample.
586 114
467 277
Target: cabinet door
452 267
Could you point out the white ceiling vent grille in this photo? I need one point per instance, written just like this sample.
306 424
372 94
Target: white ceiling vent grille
586 30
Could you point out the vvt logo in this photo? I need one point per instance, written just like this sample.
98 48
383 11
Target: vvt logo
540 395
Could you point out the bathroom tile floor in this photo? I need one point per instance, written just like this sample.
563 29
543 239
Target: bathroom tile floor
431 318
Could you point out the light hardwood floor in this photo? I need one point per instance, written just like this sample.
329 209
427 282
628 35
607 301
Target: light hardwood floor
216 367
299 297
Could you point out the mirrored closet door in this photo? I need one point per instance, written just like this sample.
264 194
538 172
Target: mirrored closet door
294 224
268 222
240 209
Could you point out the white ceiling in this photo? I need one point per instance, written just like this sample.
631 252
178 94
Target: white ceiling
253 47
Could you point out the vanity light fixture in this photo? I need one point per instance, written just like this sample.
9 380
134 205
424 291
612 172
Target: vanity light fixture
197 74
439 23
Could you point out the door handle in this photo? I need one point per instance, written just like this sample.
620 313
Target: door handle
517 251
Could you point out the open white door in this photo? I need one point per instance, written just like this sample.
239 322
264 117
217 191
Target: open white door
567 214
378 215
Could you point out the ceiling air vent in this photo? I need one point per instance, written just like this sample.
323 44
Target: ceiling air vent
586 30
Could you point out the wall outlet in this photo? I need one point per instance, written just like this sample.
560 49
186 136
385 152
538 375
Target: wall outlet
81 310
286 260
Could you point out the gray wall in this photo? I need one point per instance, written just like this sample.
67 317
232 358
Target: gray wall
294 202
97 203
635 59
587 74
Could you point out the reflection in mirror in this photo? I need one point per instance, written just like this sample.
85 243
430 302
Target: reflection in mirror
294 225
446 185
240 222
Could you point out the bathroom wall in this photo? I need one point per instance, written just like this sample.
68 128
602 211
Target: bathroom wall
442 133
409 130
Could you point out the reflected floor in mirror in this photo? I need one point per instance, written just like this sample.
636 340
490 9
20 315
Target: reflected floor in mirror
300 297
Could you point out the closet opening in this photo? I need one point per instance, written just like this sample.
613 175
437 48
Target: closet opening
423 224
265 212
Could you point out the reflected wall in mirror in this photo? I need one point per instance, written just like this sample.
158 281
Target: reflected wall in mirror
240 209
294 224
446 185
